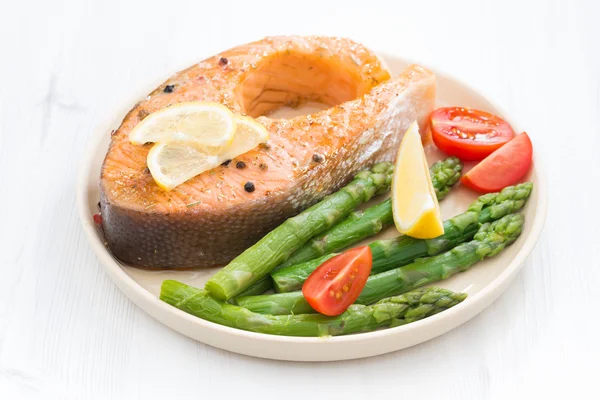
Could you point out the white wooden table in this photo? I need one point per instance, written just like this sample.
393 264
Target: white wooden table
67 332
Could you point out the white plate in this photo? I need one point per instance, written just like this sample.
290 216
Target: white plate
484 282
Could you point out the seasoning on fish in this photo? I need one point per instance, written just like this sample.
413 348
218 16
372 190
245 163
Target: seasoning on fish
317 158
142 114
249 187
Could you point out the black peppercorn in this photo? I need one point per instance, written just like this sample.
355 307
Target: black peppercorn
240 165
223 61
249 187
263 166
169 88
317 158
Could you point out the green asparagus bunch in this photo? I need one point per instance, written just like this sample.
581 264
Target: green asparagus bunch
393 253
490 239
360 225
273 249
397 310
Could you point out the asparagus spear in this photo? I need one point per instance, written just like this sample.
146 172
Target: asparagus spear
280 243
362 224
292 278
259 287
276 304
489 240
393 253
444 174
401 309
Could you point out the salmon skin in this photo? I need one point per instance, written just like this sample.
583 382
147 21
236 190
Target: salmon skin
212 218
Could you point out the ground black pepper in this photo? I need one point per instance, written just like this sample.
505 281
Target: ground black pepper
169 88
225 163
249 187
223 61
240 165
317 158
263 166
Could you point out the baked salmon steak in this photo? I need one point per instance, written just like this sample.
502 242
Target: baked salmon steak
213 217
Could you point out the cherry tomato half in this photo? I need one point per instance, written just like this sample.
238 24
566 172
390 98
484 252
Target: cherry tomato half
504 167
467 133
337 283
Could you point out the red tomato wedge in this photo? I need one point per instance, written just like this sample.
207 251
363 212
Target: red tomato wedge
337 283
504 167
467 133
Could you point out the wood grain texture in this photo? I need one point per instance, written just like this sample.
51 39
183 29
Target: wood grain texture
67 332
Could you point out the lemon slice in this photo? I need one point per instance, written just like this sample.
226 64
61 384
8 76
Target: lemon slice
414 203
248 135
173 163
209 124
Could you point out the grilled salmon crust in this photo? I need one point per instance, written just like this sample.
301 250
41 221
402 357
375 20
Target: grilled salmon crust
212 218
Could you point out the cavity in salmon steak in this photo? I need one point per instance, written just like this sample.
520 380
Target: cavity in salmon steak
213 217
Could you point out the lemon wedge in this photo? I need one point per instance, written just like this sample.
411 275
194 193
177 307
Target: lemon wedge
209 124
414 203
173 163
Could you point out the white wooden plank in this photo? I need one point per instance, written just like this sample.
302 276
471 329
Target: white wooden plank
67 332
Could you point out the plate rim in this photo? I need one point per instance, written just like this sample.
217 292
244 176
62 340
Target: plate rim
166 313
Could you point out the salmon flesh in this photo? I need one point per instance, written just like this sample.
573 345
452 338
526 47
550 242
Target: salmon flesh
212 218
